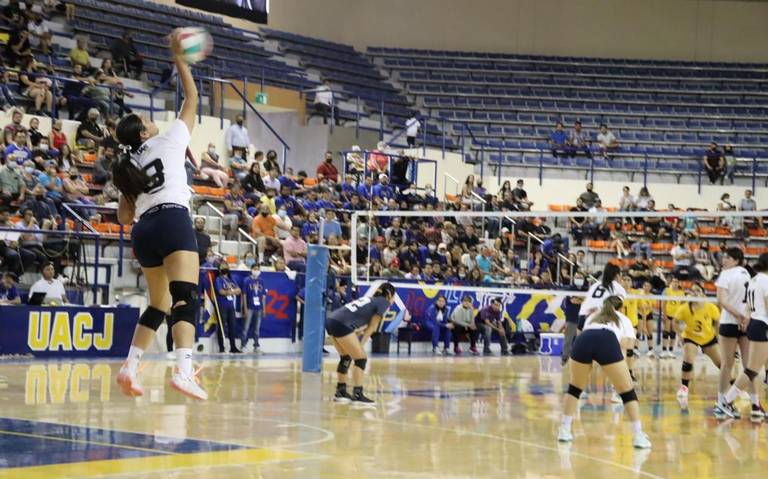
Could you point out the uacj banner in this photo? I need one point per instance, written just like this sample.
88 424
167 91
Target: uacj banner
66 331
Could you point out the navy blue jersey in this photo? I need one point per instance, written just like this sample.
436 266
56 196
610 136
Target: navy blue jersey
358 313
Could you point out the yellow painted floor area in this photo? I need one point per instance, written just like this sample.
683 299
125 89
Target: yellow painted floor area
435 418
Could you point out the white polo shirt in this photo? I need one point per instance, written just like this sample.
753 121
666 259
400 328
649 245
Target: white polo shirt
53 289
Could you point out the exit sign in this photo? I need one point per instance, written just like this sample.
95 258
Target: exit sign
261 98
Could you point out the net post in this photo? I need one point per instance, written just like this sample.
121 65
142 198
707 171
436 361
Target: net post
314 309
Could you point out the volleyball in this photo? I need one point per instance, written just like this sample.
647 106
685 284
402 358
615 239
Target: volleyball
196 44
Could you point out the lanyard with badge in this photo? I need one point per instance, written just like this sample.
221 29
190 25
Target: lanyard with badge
256 287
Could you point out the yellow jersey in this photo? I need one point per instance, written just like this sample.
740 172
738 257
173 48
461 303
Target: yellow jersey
699 324
645 306
630 307
670 307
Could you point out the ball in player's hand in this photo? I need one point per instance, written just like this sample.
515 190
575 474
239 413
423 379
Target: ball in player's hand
193 44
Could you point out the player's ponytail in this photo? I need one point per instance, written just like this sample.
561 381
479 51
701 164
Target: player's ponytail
608 312
762 263
127 176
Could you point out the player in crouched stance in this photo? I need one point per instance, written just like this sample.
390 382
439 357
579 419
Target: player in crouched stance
342 325
606 334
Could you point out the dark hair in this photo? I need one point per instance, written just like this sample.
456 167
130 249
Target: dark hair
736 253
609 274
608 312
467 298
385 290
127 177
495 301
762 263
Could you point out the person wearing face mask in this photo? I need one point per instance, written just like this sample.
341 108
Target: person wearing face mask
57 138
570 307
42 207
295 250
254 298
226 296
463 320
327 170
264 230
203 239
12 186
76 190
236 138
211 168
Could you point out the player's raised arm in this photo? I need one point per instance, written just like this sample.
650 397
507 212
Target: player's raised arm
189 107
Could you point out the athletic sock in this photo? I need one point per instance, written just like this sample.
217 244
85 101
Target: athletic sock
732 394
686 382
567 421
755 399
134 356
184 360
637 427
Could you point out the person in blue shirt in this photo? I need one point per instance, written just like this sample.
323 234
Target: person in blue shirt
310 202
8 293
226 294
18 151
289 203
52 183
348 188
384 189
311 226
559 140
331 226
253 307
326 200
438 321
354 204
364 189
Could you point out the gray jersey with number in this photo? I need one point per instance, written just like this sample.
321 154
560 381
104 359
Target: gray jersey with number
358 313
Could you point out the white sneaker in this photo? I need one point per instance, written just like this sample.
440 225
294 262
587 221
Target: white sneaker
129 382
641 441
188 386
564 434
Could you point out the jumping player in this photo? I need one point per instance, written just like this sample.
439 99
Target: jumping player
597 293
342 325
700 323
732 298
757 334
153 187
668 335
606 334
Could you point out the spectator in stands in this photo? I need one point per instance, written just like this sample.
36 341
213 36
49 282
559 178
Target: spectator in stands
6 96
53 288
331 226
520 197
642 247
12 13
589 197
378 160
226 292
626 200
730 164
125 54
236 139
640 271
39 33
558 140
607 141
203 239
270 162
682 258
212 169
18 151
8 293
34 135
102 169
50 180
15 125
78 55
73 93
32 242
264 229
643 200
748 203
76 190
42 207
12 187
235 211
578 225
89 133
271 181
323 103
57 138
253 184
383 189
17 46
36 87
578 140
67 158
714 163
599 226
704 261
327 170
412 126
295 250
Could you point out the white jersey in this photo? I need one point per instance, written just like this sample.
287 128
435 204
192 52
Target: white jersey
623 330
757 293
162 157
734 281
597 294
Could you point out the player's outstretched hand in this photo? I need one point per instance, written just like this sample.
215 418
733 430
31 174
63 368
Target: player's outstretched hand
174 43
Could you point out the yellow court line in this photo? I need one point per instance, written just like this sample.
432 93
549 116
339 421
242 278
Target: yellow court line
83 441
140 465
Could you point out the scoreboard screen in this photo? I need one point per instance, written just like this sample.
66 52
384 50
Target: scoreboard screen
253 10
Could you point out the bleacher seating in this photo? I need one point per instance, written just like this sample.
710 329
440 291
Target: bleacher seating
662 111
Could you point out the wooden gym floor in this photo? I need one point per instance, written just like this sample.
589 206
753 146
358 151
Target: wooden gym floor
437 417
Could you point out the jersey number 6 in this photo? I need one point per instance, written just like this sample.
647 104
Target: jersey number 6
154 171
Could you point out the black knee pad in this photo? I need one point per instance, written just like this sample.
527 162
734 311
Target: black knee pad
687 367
574 391
630 353
672 335
750 374
665 335
152 318
360 363
344 363
628 396
183 301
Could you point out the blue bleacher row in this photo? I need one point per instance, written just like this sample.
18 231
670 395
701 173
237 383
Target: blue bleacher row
616 62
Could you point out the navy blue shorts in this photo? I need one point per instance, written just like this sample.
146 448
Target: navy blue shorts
757 331
337 329
731 331
162 230
599 345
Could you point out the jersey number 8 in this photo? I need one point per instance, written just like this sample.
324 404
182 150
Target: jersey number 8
156 176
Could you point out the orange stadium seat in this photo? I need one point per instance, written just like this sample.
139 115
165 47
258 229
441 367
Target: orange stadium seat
310 182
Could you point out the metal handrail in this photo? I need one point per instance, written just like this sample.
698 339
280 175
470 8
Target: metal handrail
240 231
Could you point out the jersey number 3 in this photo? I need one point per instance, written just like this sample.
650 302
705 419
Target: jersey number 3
156 176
